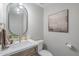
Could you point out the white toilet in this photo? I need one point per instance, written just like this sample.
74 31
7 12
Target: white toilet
42 52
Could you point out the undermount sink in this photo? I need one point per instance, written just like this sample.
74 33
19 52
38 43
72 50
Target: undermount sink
21 44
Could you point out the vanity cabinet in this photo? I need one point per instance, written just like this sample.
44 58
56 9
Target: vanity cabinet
29 52
25 48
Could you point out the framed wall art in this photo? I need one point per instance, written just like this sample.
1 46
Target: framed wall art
58 22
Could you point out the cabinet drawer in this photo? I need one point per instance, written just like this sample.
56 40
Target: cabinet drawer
29 52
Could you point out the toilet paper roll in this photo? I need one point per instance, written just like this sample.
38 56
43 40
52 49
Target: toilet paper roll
69 45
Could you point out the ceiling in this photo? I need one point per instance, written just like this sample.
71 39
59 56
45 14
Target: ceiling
43 5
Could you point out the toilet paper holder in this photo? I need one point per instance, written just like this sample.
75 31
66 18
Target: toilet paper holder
68 44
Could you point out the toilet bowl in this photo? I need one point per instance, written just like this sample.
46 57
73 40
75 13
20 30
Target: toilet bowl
42 52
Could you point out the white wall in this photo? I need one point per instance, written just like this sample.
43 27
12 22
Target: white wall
55 41
35 20
1 13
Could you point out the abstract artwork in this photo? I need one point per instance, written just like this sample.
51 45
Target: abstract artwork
58 22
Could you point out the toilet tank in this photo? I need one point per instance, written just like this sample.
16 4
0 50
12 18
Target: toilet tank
40 45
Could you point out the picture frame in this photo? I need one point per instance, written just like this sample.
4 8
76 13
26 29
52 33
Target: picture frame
58 22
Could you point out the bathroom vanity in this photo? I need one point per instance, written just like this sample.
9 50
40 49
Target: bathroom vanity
25 48
16 33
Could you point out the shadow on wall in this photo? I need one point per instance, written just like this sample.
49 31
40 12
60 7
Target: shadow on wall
44 46
74 49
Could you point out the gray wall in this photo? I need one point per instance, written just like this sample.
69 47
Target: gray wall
55 41
1 13
35 20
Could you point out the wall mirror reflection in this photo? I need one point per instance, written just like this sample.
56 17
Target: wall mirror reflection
17 21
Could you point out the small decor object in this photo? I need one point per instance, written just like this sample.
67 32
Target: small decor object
58 22
4 41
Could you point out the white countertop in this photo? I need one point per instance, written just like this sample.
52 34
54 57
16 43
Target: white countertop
18 47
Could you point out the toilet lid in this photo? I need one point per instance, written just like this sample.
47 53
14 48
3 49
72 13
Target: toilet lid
44 53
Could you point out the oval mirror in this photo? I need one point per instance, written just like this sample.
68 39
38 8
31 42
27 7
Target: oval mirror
17 19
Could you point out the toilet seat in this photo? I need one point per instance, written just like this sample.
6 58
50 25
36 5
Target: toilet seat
44 53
